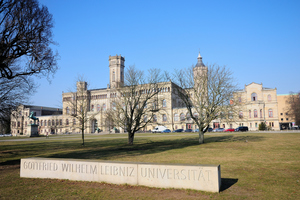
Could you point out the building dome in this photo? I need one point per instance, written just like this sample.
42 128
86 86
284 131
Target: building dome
199 63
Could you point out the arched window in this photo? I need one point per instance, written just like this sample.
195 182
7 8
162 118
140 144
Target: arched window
230 114
154 118
241 114
49 122
92 108
270 113
41 123
164 103
182 117
188 116
269 98
249 113
53 123
255 113
176 117
98 107
164 117
104 107
253 96
260 113
196 115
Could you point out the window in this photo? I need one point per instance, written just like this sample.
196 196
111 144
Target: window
287 119
60 122
241 114
250 125
260 113
164 116
145 118
182 117
45 123
41 123
270 113
19 124
249 113
230 114
255 113
113 78
67 122
57 122
104 107
269 98
98 107
154 118
281 119
240 100
92 108
114 105
281 113
74 121
176 117
196 115
53 123
164 103
188 116
256 125
253 97
49 123
67 110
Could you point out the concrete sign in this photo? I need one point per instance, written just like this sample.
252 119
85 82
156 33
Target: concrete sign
198 177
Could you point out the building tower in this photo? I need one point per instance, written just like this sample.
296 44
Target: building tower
116 71
200 76
199 69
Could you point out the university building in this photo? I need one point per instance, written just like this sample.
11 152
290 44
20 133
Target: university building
259 104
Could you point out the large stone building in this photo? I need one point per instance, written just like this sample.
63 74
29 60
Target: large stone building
259 104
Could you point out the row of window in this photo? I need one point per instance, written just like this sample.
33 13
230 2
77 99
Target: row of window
254 97
255 113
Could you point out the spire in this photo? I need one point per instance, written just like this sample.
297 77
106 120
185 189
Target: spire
199 63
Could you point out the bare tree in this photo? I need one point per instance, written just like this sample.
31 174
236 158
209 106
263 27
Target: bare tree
25 39
12 94
136 101
293 103
207 93
78 106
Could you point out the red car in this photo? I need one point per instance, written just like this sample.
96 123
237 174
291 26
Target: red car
229 130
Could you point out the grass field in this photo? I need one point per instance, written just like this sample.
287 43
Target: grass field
253 165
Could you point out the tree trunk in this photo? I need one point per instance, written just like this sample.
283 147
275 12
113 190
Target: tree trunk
82 132
201 137
130 138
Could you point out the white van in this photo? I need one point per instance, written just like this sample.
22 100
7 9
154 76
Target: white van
159 129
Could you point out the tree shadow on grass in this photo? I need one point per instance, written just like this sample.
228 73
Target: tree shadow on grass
227 183
144 148
109 148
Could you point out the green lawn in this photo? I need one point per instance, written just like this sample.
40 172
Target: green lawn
253 165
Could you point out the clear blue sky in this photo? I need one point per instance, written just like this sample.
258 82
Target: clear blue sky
258 40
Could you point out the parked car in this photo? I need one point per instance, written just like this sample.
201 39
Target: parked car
230 130
159 129
242 128
196 130
178 130
188 130
210 129
166 131
218 130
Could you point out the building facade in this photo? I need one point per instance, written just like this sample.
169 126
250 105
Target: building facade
258 104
